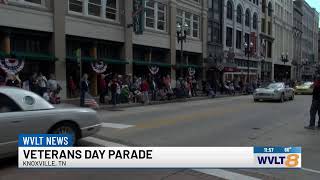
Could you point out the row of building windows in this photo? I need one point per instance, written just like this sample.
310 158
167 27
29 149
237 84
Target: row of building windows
155 14
239 16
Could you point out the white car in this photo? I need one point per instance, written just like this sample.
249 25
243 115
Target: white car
24 112
274 91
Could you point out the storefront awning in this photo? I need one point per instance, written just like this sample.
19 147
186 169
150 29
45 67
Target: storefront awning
189 66
4 54
147 63
114 61
91 59
34 56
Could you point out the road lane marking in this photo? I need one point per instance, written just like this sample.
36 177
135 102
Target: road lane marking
213 172
116 125
311 170
225 174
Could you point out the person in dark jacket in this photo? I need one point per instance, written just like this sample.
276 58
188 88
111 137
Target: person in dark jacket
315 106
84 88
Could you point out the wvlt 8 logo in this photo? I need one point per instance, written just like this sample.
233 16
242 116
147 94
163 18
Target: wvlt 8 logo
290 161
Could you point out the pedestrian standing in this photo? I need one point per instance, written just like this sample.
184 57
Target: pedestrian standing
113 88
103 88
145 91
72 87
153 87
315 106
84 88
42 83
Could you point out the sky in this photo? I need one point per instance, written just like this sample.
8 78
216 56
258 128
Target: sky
315 4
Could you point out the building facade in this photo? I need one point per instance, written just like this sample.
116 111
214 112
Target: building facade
47 34
309 41
241 25
215 46
283 48
267 39
297 38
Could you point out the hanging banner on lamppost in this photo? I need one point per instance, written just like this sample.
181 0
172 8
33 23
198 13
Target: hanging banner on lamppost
11 65
99 67
154 70
138 16
192 71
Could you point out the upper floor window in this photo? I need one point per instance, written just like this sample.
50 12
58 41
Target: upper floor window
239 14
94 7
229 10
255 21
76 6
155 15
191 20
34 1
270 9
248 19
264 5
111 9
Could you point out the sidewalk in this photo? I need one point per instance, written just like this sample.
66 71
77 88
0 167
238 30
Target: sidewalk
75 101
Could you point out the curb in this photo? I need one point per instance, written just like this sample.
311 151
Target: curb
163 102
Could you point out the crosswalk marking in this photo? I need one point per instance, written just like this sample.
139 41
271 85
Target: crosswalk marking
116 125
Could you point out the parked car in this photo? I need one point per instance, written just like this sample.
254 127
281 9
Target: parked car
24 112
305 88
274 91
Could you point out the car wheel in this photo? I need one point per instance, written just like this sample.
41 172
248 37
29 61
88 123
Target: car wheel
66 128
292 97
282 98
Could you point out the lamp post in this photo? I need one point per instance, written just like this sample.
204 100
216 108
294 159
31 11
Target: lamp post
285 59
248 49
182 37
263 60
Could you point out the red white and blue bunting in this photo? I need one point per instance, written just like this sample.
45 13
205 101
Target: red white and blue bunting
99 67
11 66
192 71
154 70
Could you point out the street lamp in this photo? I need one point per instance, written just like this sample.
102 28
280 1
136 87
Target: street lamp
182 37
285 57
263 60
248 49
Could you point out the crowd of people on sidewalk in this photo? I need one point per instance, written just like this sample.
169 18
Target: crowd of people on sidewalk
48 88
116 89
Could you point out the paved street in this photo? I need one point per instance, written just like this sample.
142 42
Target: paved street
232 121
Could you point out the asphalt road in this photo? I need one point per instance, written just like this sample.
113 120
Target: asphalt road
233 121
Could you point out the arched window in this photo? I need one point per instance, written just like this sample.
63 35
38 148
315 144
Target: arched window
264 5
239 14
257 2
270 9
255 21
247 20
229 10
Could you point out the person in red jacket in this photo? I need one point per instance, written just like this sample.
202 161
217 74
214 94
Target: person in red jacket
145 91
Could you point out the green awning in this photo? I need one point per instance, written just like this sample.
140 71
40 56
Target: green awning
4 54
34 56
83 59
146 63
189 66
114 61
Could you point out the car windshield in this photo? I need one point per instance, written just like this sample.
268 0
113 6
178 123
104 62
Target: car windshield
274 86
307 84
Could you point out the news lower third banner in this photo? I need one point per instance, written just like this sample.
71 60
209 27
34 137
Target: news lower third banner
55 151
